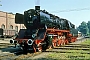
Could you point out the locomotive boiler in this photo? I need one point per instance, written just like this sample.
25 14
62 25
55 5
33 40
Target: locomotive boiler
43 30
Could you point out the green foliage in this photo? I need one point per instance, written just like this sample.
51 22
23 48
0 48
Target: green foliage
88 24
84 28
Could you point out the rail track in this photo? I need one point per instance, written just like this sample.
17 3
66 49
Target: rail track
17 53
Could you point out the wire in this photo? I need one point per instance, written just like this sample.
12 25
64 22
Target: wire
71 10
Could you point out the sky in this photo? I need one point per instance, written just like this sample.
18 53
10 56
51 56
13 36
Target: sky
57 7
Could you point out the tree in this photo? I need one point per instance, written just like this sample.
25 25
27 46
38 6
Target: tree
88 24
83 28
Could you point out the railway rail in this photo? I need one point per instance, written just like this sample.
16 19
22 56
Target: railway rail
65 51
18 53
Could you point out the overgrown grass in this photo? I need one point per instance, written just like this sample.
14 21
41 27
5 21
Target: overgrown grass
73 55
86 42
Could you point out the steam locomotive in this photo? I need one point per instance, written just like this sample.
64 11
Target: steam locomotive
43 30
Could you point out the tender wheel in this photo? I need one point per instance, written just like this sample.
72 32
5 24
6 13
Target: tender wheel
40 48
64 43
34 47
59 43
54 44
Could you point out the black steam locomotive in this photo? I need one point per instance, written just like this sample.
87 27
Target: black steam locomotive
43 29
